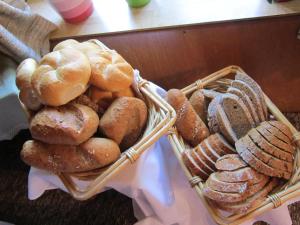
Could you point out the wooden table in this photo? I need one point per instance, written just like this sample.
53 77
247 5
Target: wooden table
175 42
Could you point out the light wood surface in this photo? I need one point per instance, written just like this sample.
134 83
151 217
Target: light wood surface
112 16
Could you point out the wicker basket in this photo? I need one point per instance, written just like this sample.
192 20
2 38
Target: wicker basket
161 117
291 189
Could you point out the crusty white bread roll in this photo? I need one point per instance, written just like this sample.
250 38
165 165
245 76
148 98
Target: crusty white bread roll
124 121
61 76
84 47
23 80
123 93
92 154
69 124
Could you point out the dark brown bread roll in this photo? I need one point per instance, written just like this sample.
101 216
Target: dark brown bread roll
92 154
69 124
188 123
124 121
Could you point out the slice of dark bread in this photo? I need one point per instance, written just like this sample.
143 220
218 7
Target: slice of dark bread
252 189
225 126
211 114
230 162
265 157
282 128
268 147
238 115
274 140
257 164
257 89
246 100
209 150
222 196
243 206
217 185
201 162
276 132
204 156
199 104
252 95
221 146
193 166
244 174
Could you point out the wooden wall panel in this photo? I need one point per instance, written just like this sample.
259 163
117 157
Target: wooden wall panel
267 49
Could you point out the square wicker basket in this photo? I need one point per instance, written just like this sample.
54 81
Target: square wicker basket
161 117
289 190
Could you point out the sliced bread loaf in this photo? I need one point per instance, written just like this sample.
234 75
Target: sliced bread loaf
282 128
205 156
201 162
230 162
192 165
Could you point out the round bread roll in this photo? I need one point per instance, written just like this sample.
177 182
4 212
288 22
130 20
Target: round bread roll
124 121
61 76
102 98
69 124
23 81
123 93
84 47
92 154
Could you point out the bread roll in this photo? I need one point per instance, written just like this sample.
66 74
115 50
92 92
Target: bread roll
70 124
92 154
123 93
85 100
124 121
84 47
102 98
23 80
188 123
61 76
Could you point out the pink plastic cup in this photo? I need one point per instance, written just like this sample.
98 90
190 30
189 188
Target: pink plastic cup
73 11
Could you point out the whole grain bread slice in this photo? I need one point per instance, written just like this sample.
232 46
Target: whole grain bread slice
257 89
276 132
252 95
238 115
252 189
220 145
193 166
252 201
240 175
209 150
204 156
201 162
246 100
211 114
265 157
221 186
199 104
225 126
274 140
257 164
282 128
230 162
269 148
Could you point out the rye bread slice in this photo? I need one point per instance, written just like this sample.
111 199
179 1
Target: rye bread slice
240 175
246 100
238 115
277 133
274 140
257 164
230 162
252 189
222 196
199 104
193 166
282 128
221 146
209 150
211 113
221 186
257 89
252 95
225 126
252 201
269 148
203 155
265 157
201 162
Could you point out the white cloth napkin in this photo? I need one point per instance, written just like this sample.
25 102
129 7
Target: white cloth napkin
160 191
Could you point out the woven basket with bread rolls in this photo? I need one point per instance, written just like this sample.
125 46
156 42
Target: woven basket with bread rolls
90 114
237 149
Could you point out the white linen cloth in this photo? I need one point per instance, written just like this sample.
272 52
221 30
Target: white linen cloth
160 191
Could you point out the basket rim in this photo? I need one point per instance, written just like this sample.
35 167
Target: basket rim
292 188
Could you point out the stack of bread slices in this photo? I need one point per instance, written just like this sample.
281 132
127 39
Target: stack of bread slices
82 104
236 148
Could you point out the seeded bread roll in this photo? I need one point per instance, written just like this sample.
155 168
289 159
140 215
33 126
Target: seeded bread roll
69 124
188 123
92 154
124 121
199 104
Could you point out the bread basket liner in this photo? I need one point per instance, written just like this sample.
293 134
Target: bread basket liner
289 190
161 117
